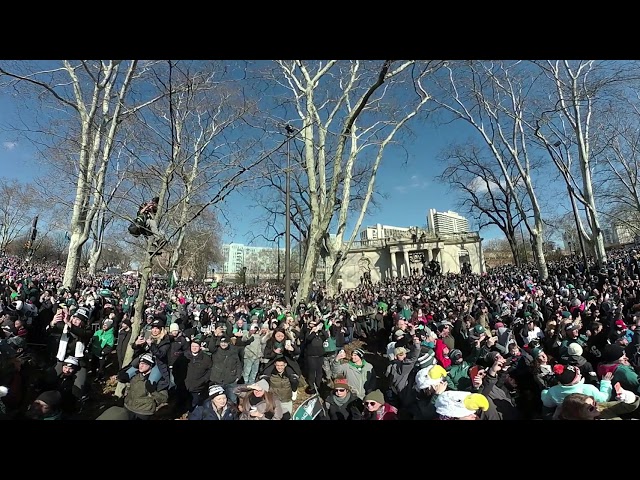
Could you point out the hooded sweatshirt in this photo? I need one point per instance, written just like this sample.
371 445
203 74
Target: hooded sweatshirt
444 361
555 395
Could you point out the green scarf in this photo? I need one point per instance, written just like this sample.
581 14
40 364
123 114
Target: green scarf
358 367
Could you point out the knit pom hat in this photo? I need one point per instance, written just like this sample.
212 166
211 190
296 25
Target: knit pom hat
565 374
359 352
427 357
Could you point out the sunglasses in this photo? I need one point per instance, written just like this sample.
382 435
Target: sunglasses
340 389
370 404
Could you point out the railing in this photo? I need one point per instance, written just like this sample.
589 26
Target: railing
429 238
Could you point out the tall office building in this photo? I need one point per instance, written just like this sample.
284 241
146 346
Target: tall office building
446 222
379 231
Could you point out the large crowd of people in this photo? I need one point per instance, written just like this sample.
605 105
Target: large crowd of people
431 346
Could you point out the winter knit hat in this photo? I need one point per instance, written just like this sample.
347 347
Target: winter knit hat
455 355
565 374
427 357
107 323
72 361
375 396
430 376
574 349
458 404
215 390
174 327
341 382
359 352
53 398
535 353
612 353
148 359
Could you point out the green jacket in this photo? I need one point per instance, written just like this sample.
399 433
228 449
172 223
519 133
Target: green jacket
128 303
458 377
101 339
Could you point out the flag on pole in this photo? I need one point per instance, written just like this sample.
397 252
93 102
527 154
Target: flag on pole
173 279
309 409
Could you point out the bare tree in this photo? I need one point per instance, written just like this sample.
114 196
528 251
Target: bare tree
578 87
94 94
492 98
349 113
619 169
18 206
162 160
484 194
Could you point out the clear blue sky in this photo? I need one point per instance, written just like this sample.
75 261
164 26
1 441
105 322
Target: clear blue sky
408 182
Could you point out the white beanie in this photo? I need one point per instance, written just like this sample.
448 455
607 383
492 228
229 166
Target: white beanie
174 327
4 391
574 349
71 361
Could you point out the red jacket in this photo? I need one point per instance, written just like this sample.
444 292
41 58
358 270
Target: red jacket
443 361
386 412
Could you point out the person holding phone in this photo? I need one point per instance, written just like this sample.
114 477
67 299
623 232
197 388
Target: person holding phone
314 354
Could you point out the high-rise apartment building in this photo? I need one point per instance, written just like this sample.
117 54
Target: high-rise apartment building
446 222
379 231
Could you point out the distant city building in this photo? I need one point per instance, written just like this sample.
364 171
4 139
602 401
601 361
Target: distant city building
446 222
379 231
623 234
258 260
609 236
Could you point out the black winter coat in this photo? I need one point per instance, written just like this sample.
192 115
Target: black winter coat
313 343
350 411
227 367
198 371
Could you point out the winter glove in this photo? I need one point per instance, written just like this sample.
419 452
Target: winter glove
151 387
123 377
626 396
268 415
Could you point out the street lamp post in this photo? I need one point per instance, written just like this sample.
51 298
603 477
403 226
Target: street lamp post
287 245
244 279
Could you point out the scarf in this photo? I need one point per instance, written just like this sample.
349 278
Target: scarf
160 336
342 401
64 341
358 367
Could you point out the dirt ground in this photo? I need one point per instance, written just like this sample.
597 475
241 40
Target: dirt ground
102 396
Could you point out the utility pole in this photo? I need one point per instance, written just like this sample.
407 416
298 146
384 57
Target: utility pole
287 245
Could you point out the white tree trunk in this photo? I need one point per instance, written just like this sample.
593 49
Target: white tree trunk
596 236
136 321
73 260
94 257
310 264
